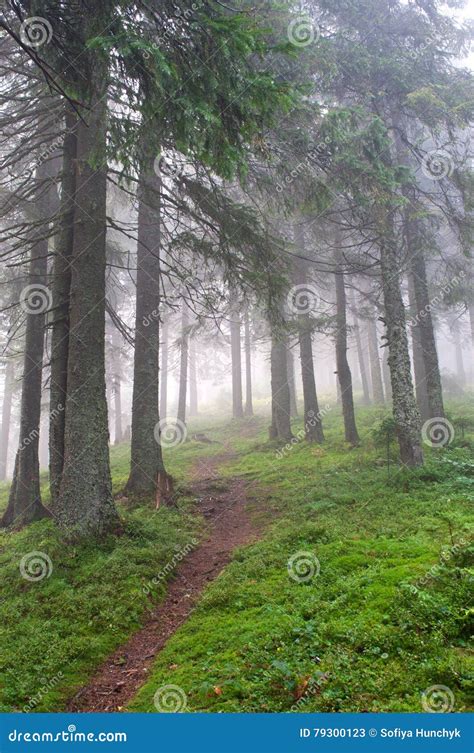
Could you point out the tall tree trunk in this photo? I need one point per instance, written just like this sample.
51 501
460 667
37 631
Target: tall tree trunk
313 426
24 503
183 365
360 354
248 411
375 370
146 455
6 417
235 347
405 411
460 371
193 393
418 360
163 381
281 413
85 505
117 386
291 382
342 364
386 375
60 313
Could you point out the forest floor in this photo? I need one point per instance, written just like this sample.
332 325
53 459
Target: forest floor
382 617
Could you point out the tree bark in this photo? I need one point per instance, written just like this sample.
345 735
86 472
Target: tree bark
163 380
386 375
117 386
405 411
183 366
6 416
24 503
146 454
248 411
60 314
342 364
85 506
375 370
291 382
235 346
418 360
281 414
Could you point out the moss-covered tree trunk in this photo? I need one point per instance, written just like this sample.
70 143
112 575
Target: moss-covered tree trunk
85 505
61 285
405 411
281 413
342 365
146 455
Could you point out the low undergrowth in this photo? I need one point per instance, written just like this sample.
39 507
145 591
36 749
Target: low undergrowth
383 614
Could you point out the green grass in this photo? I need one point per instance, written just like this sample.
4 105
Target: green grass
357 631
54 632
258 637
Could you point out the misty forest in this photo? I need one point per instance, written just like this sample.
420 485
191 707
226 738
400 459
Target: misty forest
236 375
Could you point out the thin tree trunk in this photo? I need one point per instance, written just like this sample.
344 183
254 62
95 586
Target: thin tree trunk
85 505
183 366
6 417
375 370
248 365
117 386
405 411
163 381
24 503
146 455
235 346
291 382
60 314
193 393
313 426
281 415
418 360
342 364
360 355
460 371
